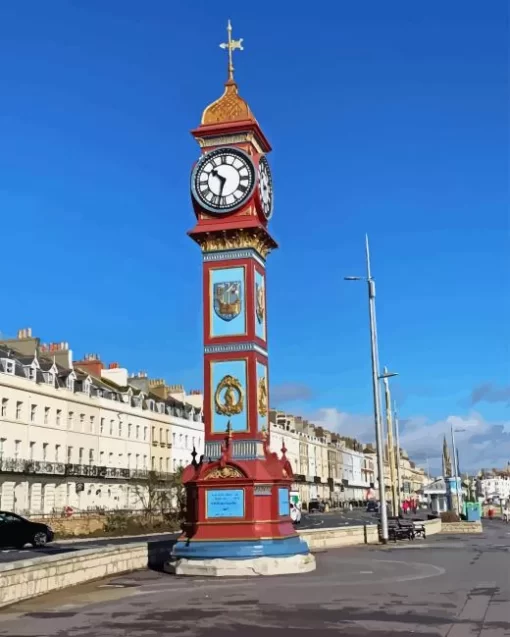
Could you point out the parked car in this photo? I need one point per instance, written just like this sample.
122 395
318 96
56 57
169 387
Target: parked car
316 506
17 531
373 507
295 513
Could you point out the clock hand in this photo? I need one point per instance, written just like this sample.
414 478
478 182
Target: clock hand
222 179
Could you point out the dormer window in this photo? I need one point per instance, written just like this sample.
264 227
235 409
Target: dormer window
70 383
152 405
31 372
9 366
50 378
86 386
161 408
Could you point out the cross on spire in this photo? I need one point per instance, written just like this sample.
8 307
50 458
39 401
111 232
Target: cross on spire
231 45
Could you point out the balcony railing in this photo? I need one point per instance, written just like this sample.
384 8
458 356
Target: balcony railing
41 467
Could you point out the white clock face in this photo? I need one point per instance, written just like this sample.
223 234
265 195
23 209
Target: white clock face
223 179
265 187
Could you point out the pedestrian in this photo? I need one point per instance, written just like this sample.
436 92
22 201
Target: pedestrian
506 513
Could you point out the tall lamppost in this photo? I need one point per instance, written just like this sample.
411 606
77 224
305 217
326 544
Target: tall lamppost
395 509
456 467
397 445
374 354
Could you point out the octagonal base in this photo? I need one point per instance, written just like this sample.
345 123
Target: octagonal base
242 568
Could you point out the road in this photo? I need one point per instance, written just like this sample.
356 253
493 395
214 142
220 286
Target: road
315 520
439 587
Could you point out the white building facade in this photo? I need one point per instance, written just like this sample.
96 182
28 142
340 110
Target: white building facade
357 476
495 486
71 439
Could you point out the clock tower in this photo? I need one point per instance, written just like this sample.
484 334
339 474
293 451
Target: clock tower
237 515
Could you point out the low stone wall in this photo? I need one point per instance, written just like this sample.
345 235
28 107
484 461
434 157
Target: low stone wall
455 528
323 539
30 578
77 526
433 526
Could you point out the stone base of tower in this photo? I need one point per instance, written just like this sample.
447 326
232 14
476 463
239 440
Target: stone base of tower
249 567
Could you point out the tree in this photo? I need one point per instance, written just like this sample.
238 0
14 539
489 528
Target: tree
162 494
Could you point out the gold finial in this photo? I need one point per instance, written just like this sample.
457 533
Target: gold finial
231 45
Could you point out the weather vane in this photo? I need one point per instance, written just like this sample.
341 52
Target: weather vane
231 45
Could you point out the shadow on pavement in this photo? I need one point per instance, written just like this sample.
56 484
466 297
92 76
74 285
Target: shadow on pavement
159 553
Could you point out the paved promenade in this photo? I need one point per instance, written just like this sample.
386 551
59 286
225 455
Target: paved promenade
447 586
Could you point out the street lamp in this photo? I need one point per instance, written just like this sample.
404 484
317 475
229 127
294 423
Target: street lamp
395 507
397 442
456 466
375 388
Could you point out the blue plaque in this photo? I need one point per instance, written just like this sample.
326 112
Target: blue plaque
283 501
225 503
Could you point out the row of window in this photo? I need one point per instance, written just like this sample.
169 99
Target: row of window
89 424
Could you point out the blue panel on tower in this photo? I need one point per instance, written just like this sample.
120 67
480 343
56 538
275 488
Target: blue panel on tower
260 305
262 397
283 501
227 302
224 503
228 395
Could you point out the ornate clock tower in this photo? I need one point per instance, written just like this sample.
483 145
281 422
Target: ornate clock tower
238 518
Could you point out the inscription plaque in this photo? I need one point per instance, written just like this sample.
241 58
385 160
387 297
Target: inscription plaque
225 503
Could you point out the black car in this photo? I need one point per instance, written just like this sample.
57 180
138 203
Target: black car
17 531
373 507
316 506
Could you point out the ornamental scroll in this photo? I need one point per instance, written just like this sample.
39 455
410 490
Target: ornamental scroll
225 473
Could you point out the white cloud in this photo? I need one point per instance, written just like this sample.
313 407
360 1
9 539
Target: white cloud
481 444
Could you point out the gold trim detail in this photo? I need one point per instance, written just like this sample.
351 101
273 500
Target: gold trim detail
260 301
224 472
261 242
262 396
233 398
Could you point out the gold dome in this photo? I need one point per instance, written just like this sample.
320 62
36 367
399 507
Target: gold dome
230 107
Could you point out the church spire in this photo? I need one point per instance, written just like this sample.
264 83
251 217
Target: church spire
447 463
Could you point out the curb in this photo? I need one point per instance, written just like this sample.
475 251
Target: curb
104 538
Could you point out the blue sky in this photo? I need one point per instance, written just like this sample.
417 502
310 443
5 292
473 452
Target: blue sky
386 118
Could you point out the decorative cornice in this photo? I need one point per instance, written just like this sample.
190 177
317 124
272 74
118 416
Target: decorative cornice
255 238
234 347
227 140
248 253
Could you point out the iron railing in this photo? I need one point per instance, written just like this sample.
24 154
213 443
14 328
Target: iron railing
42 467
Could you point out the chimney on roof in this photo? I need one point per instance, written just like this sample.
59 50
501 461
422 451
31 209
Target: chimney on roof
25 333
91 363
113 366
